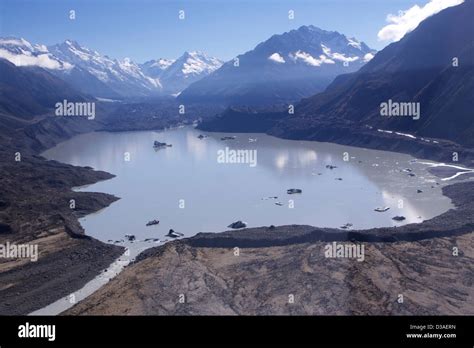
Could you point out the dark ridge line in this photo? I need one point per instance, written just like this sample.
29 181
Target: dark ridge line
324 236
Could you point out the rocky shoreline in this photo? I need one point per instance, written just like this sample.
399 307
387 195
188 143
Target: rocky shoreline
35 210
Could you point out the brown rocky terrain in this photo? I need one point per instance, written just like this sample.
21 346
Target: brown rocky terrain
260 281
35 209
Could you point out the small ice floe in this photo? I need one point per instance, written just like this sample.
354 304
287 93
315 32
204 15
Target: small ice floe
382 209
375 165
158 145
153 222
279 203
419 191
398 218
293 191
411 174
130 237
252 140
238 224
155 240
407 170
173 234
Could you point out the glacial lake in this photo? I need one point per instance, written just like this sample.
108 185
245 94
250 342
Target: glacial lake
188 188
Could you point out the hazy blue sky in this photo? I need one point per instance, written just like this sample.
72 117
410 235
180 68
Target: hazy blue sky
146 29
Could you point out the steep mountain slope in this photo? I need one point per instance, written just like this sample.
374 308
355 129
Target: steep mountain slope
284 68
417 69
176 75
30 91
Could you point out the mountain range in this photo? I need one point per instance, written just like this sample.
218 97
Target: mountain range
284 68
101 76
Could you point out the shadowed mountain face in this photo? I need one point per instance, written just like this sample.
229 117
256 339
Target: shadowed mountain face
419 68
30 91
282 69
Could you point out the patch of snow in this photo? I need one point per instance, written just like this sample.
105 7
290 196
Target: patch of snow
198 62
277 58
406 135
338 56
354 43
368 57
163 63
309 59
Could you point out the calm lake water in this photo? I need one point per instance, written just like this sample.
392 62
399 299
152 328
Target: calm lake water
188 189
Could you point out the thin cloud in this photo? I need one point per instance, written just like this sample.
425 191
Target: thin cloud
408 20
41 60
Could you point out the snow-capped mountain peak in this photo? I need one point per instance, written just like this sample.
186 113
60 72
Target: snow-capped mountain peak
177 74
311 46
197 63
286 67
